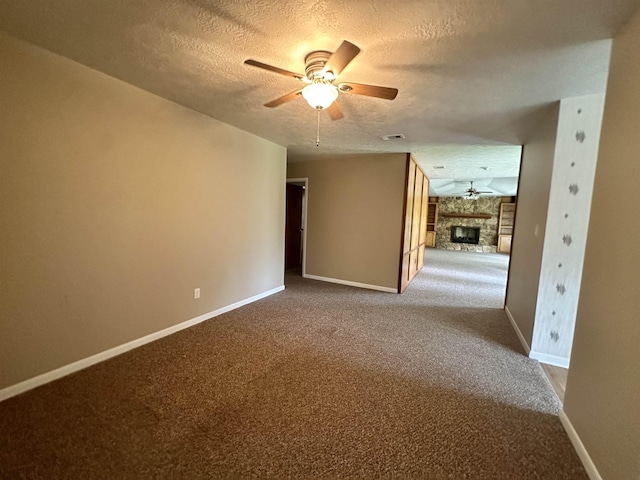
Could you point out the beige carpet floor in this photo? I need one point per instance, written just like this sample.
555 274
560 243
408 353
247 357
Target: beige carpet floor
319 381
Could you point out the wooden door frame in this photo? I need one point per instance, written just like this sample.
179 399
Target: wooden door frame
513 231
304 183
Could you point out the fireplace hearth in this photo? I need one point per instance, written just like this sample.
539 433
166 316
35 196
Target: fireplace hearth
462 234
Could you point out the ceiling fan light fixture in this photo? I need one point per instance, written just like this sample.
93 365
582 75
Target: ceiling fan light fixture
329 76
320 95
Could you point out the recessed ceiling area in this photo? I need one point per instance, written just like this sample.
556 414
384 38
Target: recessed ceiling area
471 75
450 168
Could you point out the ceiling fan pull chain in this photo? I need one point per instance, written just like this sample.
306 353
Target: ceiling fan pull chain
318 130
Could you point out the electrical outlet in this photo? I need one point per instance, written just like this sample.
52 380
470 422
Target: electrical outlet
196 293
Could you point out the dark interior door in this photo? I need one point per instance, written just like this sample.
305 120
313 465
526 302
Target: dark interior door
293 228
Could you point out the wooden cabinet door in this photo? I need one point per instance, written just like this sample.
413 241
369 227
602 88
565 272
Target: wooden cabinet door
424 210
430 240
411 181
415 224
504 243
413 264
404 274
417 205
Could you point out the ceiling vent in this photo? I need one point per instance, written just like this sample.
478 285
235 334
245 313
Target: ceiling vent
438 167
397 136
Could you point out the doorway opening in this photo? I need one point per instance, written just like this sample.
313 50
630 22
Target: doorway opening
295 238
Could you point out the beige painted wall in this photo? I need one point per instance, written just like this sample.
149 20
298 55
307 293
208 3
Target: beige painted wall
531 218
114 205
603 387
354 222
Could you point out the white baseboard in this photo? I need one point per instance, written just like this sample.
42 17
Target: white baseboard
518 332
65 370
549 359
588 464
352 284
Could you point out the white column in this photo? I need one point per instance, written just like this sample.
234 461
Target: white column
574 167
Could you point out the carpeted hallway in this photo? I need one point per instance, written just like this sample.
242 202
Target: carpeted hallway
319 381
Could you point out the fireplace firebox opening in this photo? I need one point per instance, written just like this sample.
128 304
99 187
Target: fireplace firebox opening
462 234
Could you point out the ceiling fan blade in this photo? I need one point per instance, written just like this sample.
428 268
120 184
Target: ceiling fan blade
284 99
346 52
368 90
271 68
334 111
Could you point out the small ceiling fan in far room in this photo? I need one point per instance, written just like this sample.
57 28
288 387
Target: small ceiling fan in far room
471 192
321 71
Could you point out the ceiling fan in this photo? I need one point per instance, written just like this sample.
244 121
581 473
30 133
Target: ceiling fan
321 71
471 192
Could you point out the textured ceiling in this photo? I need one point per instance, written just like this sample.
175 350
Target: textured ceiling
469 72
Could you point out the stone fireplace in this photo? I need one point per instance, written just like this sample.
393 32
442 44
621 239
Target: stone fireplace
474 217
